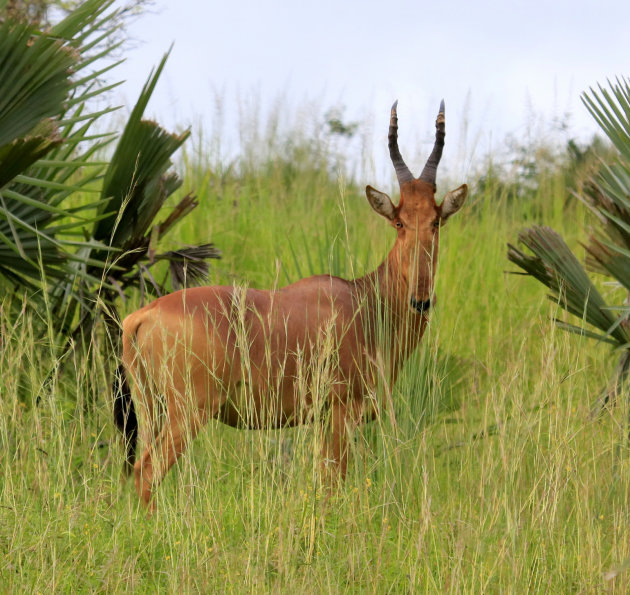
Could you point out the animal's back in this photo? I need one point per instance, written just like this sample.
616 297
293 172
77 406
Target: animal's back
286 318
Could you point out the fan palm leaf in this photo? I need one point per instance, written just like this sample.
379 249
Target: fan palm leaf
607 194
82 224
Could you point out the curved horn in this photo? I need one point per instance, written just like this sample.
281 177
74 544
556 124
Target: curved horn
402 171
430 169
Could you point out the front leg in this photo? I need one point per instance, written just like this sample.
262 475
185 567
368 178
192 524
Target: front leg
344 420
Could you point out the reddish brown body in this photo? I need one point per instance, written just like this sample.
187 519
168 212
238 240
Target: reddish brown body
259 359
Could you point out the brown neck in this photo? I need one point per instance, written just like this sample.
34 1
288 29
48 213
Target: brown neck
390 320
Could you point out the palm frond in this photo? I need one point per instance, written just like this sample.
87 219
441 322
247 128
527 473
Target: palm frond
54 236
34 79
555 265
137 181
607 194
189 266
610 109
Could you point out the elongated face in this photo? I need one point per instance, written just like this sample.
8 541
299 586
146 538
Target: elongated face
417 220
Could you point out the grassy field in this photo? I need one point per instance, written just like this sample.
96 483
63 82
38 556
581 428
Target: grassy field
489 476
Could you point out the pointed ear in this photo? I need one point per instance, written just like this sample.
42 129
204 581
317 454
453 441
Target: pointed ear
380 202
453 201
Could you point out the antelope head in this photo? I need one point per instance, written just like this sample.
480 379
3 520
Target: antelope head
417 218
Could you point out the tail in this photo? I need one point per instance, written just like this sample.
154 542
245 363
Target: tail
125 417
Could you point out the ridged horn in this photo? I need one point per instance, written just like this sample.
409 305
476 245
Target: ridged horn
402 171
430 169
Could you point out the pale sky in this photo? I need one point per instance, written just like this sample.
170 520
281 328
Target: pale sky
502 67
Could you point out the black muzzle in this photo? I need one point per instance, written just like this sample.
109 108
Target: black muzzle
420 307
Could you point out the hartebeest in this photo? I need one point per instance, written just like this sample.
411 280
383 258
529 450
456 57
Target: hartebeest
246 356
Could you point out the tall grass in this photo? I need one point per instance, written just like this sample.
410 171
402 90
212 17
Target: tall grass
489 475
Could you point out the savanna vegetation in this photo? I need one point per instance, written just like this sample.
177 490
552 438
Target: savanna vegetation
486 471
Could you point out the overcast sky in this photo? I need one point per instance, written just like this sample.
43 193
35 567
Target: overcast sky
499 65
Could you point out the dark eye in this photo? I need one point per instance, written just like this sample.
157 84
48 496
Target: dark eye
436 223
399 224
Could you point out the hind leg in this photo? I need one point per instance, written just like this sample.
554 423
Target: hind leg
189 407
150 410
